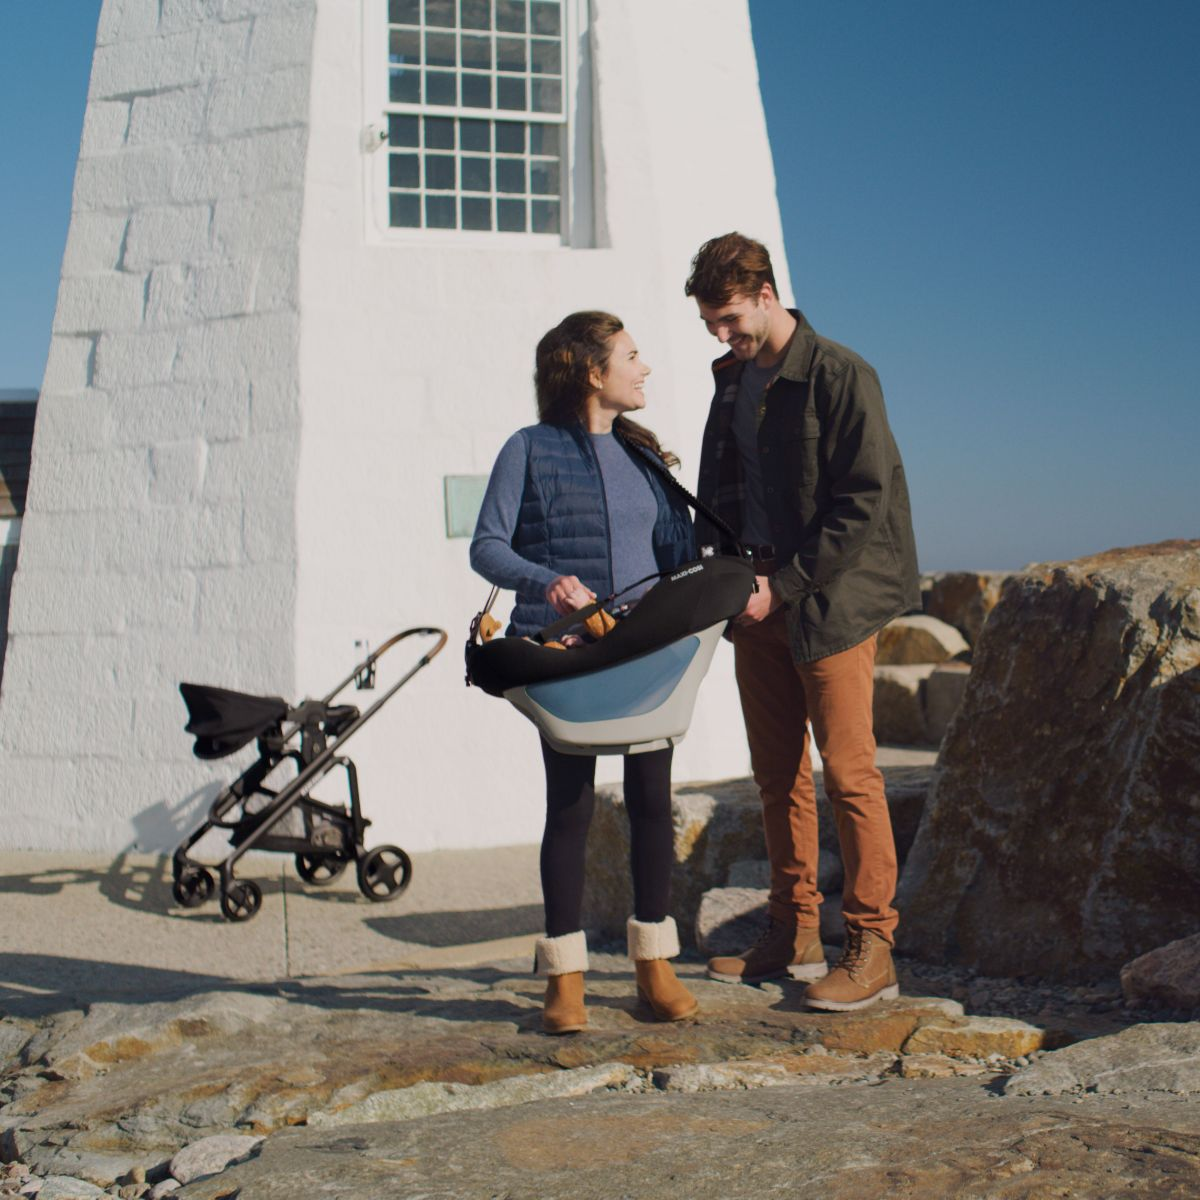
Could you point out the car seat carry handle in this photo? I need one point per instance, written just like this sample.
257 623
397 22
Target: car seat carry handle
580 615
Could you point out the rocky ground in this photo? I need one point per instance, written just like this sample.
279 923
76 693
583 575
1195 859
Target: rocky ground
440 1083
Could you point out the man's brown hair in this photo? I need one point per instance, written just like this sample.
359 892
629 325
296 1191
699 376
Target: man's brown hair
728 266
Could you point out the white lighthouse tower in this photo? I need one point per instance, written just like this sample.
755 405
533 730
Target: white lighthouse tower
312 246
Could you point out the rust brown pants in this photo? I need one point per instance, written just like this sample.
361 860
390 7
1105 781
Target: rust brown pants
779 698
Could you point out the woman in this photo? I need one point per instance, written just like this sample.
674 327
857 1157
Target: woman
574 510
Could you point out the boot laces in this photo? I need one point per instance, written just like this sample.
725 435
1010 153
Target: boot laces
855 952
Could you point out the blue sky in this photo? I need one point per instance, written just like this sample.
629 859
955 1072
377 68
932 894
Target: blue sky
995 204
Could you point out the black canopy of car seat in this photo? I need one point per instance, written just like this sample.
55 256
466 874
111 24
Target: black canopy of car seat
696 596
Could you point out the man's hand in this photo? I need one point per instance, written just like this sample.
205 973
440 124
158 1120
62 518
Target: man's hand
761 603
567 595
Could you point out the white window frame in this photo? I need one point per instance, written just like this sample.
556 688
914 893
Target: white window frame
576 219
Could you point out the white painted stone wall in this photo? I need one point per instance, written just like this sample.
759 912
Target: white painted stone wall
254 396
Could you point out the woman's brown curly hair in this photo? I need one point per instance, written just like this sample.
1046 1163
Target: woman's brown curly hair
564 361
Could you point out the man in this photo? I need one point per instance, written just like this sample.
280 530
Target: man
799 459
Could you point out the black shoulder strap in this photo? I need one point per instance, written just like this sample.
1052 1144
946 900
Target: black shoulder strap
664 473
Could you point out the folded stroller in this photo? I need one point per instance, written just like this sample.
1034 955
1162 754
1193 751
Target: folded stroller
325 838
634 689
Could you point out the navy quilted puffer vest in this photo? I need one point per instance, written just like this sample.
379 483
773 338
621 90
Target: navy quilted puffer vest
563 519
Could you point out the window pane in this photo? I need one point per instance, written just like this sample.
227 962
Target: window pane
439 172
510 54
547 95
477 52
404 46
440 13
510 137
439 133
404 86
404 170
475 135
510 175
439 212
476 14
476 213
440 51
545 216
403 131
476 175
476 90
440 87
545 57
404 12
405 211
510 93
543 178
510 216
547 16
510 16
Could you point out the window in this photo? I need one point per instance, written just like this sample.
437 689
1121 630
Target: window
476 112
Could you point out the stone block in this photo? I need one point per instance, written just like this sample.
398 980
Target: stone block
252 224
963 598
211 1155
1144 1058
303 9
261 467
68 367
237 348
127 20
729 919
55 602
255 102
94 242
221 48
181 295
918 639
277 285
176 116
114 479
88 661
749 873
176 471
171 412
1089 669
105 124
259 162
174 537
134 359
127 180
188 14
58 541
74 421
269 533
975 1037
899 707
99 725
942 697
281 40
144 65
1168 977
173 234
248 598
109 300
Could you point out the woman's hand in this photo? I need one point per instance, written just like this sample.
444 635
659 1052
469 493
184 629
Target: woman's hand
567 595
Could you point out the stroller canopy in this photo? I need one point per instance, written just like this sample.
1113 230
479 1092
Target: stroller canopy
222 721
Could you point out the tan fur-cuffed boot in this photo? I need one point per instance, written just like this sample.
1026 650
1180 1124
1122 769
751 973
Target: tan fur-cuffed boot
564 960
650 945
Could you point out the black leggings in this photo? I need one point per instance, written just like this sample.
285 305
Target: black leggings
570 798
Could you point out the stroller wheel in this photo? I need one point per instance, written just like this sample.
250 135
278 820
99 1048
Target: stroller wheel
384 872
242 900
319 869
193 886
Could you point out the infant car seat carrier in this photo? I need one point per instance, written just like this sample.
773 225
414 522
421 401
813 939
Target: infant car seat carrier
634 689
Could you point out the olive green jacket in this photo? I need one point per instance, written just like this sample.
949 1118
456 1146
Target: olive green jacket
834 488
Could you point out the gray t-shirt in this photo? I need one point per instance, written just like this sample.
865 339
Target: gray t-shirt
756 529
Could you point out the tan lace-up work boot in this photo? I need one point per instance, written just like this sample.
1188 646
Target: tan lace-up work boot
784 948
864 974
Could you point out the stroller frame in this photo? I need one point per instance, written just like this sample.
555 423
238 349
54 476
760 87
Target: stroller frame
311 735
